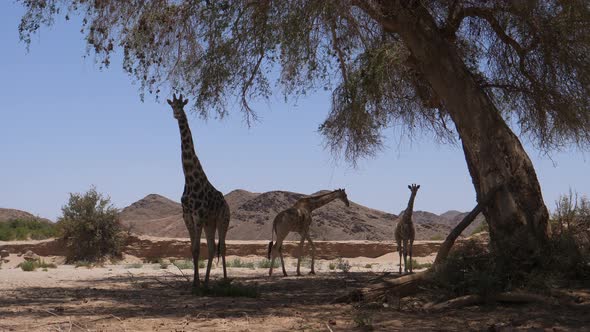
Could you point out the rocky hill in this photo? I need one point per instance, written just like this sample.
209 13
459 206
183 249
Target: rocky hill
252 215
11 214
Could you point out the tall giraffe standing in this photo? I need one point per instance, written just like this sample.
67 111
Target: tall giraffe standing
405 232
298 219
203 206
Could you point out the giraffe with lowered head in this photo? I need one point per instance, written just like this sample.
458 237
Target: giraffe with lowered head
298 219
203 206
405 232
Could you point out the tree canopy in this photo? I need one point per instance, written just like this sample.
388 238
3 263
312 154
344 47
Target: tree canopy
530 57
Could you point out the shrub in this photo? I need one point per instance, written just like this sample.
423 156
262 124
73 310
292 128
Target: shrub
188 264
90 227
265 264
24 229
28 266
342 264
416 265
482 227
332 266
33 265
83 263
238 263
184 264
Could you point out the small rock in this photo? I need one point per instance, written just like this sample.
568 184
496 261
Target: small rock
30 256
4 253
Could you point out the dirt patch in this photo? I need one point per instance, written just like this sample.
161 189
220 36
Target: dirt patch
145 297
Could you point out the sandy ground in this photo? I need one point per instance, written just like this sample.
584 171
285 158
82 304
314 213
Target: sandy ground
133 296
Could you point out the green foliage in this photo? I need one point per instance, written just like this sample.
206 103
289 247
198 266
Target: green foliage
238 263
416 265
228 288
185 264
24 229
83 263
437 238
363 321
216 52
482 227
28 266
343 264
332 266
265 264
36 264
90 227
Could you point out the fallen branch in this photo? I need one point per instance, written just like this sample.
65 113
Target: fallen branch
507 297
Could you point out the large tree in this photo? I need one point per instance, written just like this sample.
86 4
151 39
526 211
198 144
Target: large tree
480 65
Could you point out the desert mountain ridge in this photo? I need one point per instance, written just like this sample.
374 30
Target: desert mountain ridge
11 214
252 215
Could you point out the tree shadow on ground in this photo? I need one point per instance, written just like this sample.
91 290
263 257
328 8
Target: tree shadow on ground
171 296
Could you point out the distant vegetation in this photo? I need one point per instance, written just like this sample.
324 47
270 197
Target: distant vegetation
482 227
25 229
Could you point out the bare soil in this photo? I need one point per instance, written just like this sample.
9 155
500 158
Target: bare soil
145 297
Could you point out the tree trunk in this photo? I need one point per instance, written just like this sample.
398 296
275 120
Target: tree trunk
517 216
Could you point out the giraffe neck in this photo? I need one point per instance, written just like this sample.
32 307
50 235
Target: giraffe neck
316 202
190 163
410 208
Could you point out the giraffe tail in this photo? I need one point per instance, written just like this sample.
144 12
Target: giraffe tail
269 249
272 234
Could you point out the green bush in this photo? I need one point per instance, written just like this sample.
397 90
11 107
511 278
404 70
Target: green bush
24 229
28 266
482 227
332 266
188 265
265 264
238 263
90 227
342 264
83 263
33 265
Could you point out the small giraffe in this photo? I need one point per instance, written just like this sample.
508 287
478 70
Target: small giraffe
404 231
203 206
298 219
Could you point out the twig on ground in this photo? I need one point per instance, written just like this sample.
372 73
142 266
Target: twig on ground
56 315
329 328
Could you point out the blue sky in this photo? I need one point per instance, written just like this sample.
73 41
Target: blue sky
66 125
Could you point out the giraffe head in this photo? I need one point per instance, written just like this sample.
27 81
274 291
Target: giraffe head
342 196
177 105
414 188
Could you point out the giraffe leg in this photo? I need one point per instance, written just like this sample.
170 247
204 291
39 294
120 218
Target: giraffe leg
196 252
312 254
300 254
210 234
282 260
411 261
405 246
275 250
399 249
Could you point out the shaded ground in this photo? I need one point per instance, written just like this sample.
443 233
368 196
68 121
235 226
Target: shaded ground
121 298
